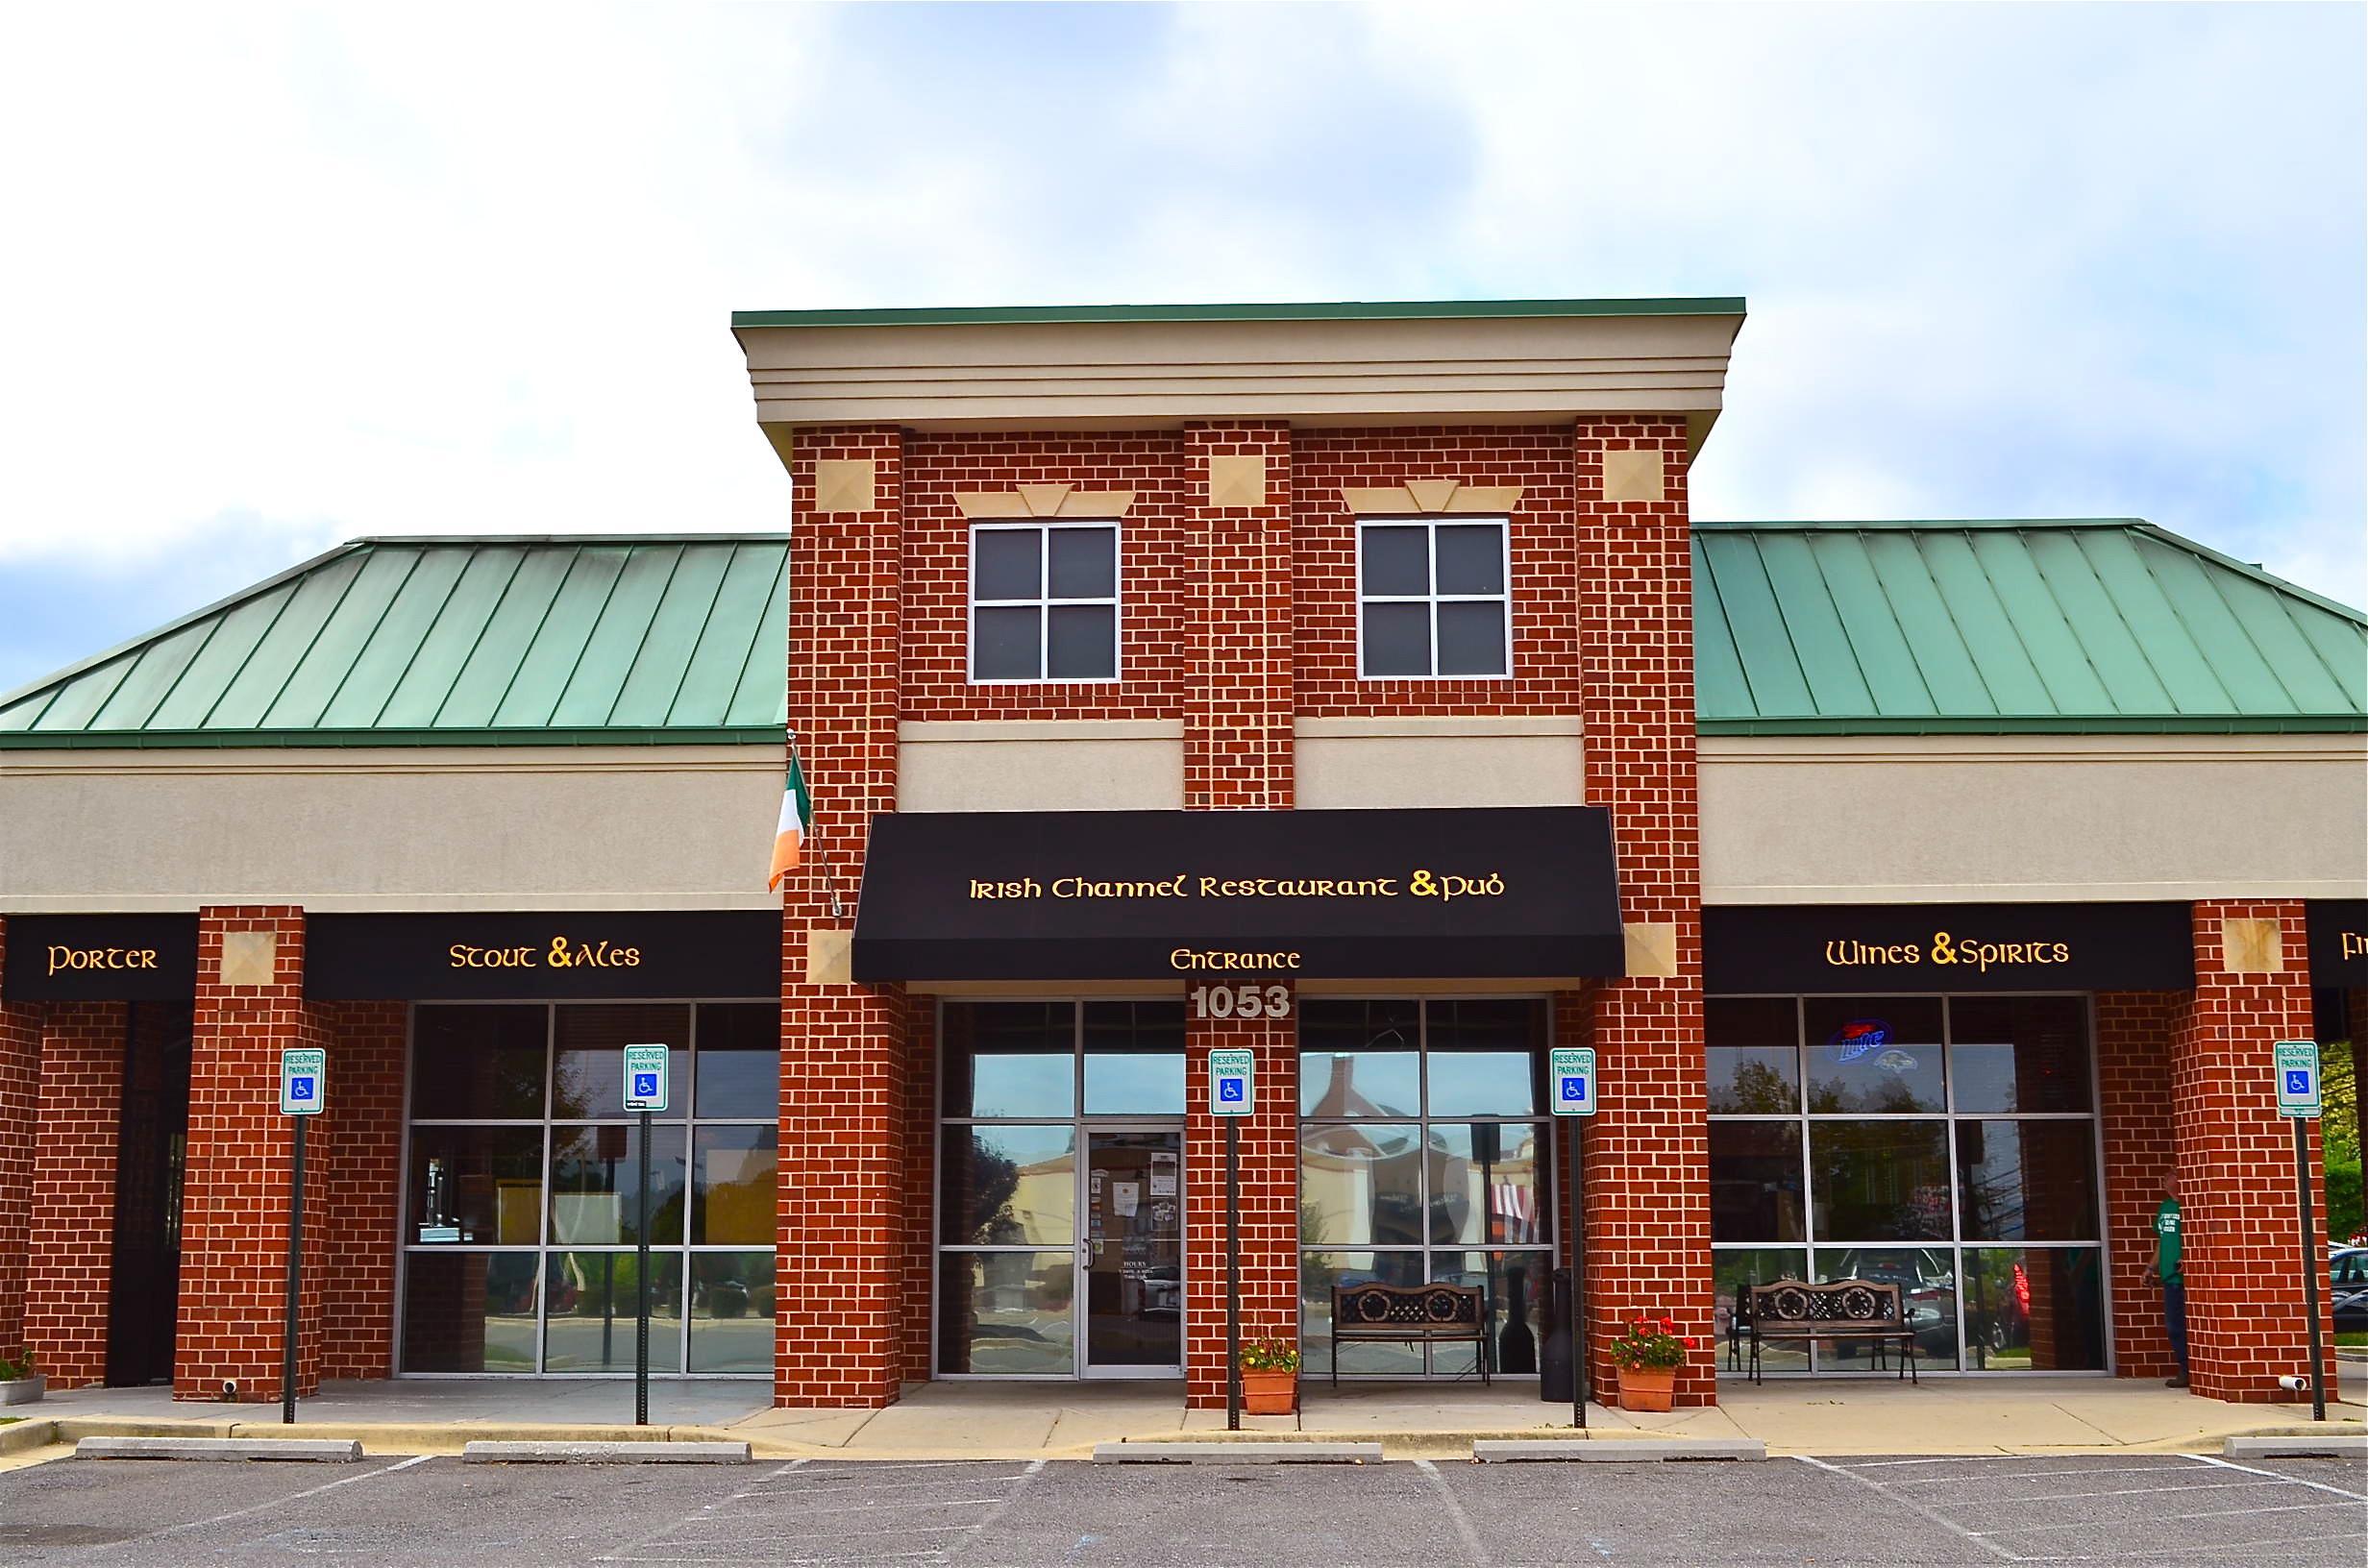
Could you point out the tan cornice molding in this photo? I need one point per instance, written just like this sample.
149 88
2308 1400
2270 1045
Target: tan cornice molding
1043 500
1433 498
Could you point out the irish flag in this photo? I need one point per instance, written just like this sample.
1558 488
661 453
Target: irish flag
797 810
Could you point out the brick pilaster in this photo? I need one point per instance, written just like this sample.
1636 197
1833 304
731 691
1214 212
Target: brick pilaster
2236 1160
69 1264
1238 679
1647 1164
1269 1199
839 1338
235 1206
359 1193
20 1077
2133 1106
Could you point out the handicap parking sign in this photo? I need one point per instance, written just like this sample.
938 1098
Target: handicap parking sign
304 1071
2297 1063
644 1085
2298 1082
1572 1074
1229 1088
645 1077
1231 1074
300 1089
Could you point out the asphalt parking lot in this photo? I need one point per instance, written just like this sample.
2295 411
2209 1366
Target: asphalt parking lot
2122 1509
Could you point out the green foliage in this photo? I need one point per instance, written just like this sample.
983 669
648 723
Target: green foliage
2339 1135
12 1371
1651 1342
1270 1356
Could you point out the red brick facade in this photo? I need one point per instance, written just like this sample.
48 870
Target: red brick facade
68 1264
352 1220
20 1089
2134 1110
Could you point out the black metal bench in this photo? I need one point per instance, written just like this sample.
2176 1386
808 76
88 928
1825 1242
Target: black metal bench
1796 1311
1410 1314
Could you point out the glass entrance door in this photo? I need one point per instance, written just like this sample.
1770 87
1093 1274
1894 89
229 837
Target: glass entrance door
1130 1256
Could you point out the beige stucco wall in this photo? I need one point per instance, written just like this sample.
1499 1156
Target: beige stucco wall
463 828
1380 763
1041 765
1876 819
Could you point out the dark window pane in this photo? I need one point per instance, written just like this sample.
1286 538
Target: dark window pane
1009 1059
1007 1312
1008 1186
740 1060
1085 641
1880 1181
1751 1020
1487 1184
1005 644
1928 1301
1398 639
1756 1181
1134 1059
1007 564
1513 1284
1085 563
1755 1080
731 1311
593 1305
1472 558
2027 1181
2020 1053
472 1312
476 1185
1359 1059
596 1186
479 1064
587 1079
1732 1274
1397 561
1471 639
1361 1184
2035 1310
1873 1054
732 1192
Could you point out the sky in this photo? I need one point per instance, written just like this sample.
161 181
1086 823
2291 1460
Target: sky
277 277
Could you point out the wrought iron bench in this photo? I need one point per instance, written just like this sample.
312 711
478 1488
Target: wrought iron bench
1410 1314
1796 1311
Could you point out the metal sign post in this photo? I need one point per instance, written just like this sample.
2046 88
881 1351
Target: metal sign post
2299 1101
645 1091
302 1078
1571 1072
1232 1095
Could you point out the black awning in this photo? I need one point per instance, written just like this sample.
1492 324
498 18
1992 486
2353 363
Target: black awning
1496 892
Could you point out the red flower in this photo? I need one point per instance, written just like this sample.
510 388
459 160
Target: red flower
1690 1341
1668 1325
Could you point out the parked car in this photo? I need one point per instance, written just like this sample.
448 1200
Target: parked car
2347 1272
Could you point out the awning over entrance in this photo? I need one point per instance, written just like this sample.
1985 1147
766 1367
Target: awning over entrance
1498 893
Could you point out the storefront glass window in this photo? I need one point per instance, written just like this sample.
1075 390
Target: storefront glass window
1916 1132
522 1202
1418 1162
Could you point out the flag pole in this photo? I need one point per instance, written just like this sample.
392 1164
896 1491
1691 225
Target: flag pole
830 884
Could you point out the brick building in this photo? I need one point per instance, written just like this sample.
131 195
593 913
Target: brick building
1346 685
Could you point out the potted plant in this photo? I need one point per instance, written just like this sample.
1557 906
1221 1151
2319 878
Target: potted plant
19 1384
1270 1376
1649 1352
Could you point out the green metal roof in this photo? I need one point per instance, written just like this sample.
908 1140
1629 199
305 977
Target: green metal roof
1824 628
2082 625
1312 310
501 640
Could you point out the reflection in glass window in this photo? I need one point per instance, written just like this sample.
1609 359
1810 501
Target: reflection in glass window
1756 1181
1878 1056
1927 1281
2019 1054
479 1063
476 1185
2034 1309
1007 1186
733 1184
731 1311
596 1186
1011 1313
593 1311
588 1065
470 1312
1733 1272
2026 1181
1361 1186
1879 1179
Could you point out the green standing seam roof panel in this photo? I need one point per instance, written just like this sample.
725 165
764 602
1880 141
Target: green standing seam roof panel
463 641
2074 626
2100 626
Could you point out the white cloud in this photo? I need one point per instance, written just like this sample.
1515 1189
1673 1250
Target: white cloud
333 271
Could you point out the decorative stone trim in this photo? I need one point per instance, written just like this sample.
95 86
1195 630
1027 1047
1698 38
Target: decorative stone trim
1043 500
1652 947
1239 480
829 956
846 485
1433 497
2252 947
250 957
1636 474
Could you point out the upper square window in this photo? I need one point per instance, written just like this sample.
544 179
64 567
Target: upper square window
1432 599
1044 601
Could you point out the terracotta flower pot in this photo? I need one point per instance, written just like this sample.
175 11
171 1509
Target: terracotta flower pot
1646 1387
1270 1393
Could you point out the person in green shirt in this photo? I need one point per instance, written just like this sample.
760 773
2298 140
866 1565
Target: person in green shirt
2166 1272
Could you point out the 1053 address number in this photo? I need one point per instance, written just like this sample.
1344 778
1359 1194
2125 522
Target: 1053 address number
1241 1001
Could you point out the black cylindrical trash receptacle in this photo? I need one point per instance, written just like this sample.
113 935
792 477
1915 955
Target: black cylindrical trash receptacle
1554 1360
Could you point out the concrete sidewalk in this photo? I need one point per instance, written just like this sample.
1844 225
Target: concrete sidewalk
1065 1420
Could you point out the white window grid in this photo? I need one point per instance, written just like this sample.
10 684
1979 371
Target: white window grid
1434 599
546 1247
1044 602
1956 1244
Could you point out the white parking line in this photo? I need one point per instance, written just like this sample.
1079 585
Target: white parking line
2153 1552
901 1486
2295 1481
282 1502
2124 1491
1473 1551
2027 1475
1035 1469
2208 1513
876 1508
1913 1506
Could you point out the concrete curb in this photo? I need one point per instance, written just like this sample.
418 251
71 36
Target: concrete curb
1617 1450
657 1452
297 1449
2333 1443
1238 1452
20 1437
